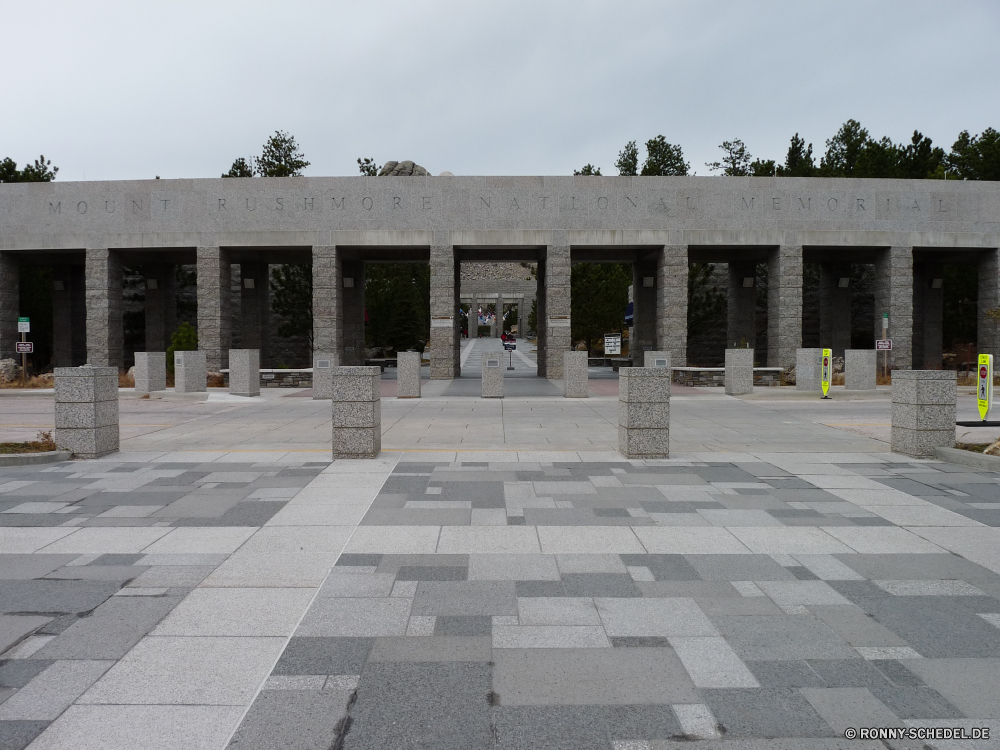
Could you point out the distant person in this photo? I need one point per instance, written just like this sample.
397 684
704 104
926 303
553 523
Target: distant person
503 337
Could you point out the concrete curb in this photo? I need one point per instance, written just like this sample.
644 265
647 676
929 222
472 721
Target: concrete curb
968 458
29 459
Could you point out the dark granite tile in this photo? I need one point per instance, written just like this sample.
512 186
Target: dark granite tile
463 625
785 673
432 573
17 735
664 567
765 712
319 655
651 641
354 559
17 673
599 584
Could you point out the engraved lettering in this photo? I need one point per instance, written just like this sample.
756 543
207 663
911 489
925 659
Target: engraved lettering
513 205
603 205
307 204
81 207
663 204
886 204
832 204
342 203
486 201
279 204
915 206
861 204
750 204
222 204
55 208
109 207
136 207
635 203
367 203
544 198
941 207
395 202
427 202
776 204
165 201
254 205
689 204
805 205
572 202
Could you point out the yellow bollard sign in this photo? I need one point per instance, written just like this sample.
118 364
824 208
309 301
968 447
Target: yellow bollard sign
826 369
984 391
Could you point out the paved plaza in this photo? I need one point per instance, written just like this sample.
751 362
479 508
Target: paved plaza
499 578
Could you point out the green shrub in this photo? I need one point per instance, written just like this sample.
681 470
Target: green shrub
184 339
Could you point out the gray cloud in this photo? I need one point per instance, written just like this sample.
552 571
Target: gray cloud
125 90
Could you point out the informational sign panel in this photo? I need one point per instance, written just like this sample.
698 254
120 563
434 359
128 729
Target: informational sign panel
826 370
613 344
23 325
24 347
984 391
510 345
883 345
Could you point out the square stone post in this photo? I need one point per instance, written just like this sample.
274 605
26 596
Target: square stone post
894 295
86 410
161 305
644 412
62 316
10 304
214 307
408 374
150 372
104 308
323 365
642 336
672 303
860 368
575 375
255 307
328 321
784 305
357 412
988 329
923 411
739 371
444 294
244 372
834 307
742 305
190 372
808 373
492 377
558 267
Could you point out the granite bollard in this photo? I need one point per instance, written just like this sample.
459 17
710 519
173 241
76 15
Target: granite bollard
808 373
493 374
86 410
739 371
923 411
408 374
322 375
860 367
244 372
656 359
644 412
575 375
190 372
150 372
357 412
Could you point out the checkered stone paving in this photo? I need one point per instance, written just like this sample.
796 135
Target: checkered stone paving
642 605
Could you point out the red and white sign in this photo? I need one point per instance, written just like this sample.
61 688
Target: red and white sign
883 345
24 347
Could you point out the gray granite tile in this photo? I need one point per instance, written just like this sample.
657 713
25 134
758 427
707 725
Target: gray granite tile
292 720
319 655
765 712
17 735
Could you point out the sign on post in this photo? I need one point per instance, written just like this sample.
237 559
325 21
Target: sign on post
613 344
24 347
826 367
883 345
23 325
984 391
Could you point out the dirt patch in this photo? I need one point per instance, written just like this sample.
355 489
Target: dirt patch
43 443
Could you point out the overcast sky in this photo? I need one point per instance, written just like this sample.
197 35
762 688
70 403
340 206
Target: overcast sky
131 90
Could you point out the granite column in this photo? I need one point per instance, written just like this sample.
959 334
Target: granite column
10 304
742 305
105 340
894 295
835 307
327 291
784 305
444 304
644 290
672 303
214 307
988 328
558 268
161 305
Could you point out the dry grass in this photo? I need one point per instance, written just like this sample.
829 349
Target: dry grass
42 443
973 447
125 380
44 380
216 380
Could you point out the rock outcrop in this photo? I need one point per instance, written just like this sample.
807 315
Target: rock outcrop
402 169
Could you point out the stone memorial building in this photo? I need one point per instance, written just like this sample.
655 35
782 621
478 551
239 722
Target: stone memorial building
908 230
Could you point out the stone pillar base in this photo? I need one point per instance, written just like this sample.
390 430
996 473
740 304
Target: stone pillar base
644 412
923 411
357 412
408 374
575 375
493 368
150 372
323 364
860 367
739 371
808 373
190 372
86 410
244 372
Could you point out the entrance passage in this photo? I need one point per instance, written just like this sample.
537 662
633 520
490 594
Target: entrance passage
521 381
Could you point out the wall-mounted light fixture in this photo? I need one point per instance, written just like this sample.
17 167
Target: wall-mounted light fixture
249 284
748 282
843 282
937 283
152 284
647 282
